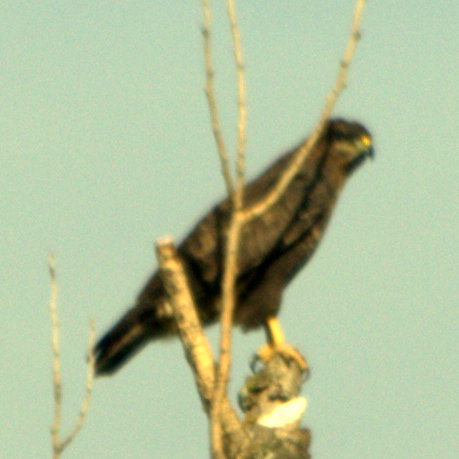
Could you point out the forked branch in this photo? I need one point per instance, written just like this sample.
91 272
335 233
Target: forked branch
58 444
340 83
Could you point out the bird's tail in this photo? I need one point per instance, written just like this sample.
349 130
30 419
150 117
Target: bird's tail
120 343
138 326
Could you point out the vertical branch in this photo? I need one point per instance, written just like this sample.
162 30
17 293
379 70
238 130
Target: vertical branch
211 101
58 445
232 245
56 357
239 215
241 100
88 388
228 303
219 383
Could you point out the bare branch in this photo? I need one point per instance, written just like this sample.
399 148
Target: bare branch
88 391
226 320
57 380
210 93
241 98
239 215
232 244
58 445
197 349
259 208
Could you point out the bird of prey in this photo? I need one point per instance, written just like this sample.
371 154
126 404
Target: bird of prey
273 247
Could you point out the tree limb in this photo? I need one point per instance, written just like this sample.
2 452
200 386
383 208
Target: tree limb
304 150
196 346
58 444
211 100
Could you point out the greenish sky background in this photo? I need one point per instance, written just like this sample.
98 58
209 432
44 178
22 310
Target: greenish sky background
105 145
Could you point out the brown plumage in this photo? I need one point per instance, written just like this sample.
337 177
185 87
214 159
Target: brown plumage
273 247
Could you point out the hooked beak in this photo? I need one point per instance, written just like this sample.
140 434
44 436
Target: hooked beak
368 149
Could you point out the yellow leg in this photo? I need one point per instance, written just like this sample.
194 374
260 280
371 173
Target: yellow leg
276 345
275 335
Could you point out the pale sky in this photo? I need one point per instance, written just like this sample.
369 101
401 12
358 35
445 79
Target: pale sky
106 145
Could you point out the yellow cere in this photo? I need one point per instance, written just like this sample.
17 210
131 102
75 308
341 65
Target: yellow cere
366 140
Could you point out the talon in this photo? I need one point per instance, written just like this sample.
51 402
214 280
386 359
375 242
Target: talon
267 352
306 373
277 345
254 361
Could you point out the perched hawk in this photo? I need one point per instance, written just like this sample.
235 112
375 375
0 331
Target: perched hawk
273 247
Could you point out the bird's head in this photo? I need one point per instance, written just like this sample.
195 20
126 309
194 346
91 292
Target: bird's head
351 143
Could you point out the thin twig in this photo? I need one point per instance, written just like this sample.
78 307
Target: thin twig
210 93
88 389
57 382
232 244
228 304
340 83
58 445
218 389
241 99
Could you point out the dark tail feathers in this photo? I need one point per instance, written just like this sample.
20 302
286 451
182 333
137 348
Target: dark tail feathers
127 337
